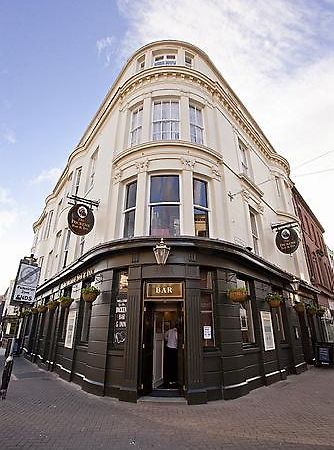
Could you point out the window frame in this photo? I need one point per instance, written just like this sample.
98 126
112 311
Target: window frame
171 120
136 130
165 59
152 204
127 210
247 332
207 290
254 227
197 126
201 207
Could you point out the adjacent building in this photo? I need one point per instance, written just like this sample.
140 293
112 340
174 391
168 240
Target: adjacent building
171 153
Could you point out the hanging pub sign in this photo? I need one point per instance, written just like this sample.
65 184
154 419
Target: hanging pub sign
80 219
25 283
287 240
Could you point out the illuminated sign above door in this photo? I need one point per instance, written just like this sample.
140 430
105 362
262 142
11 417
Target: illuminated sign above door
164 290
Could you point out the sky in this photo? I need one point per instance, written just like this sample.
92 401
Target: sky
59 58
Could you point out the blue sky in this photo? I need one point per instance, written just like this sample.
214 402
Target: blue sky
59 58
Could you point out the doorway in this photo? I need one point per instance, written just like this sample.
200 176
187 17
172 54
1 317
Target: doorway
162 368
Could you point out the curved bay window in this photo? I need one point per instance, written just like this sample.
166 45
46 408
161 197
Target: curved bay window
246 316
201 218
130 209
166 120
165 206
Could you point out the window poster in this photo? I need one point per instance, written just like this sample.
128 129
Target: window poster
267 329
120 320
71 319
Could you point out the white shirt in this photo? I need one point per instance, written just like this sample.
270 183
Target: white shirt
171 338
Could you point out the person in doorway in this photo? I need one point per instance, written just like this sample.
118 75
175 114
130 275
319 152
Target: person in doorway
171 355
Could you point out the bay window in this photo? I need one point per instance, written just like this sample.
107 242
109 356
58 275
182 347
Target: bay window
200 208
165 206
130 209
136 126
166 120
196 124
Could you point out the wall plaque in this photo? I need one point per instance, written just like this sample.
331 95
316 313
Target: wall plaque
164 290
80 219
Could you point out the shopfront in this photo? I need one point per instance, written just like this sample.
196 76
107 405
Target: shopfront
117 345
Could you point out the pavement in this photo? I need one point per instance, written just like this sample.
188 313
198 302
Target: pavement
42 411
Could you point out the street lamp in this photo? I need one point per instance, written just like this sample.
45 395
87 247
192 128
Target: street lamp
161 252
295 285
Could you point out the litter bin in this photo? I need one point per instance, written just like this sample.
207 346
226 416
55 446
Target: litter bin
324 354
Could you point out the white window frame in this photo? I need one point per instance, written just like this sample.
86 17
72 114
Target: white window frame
188 60
131 208
76 181
201 207
141 63
165 59
244 158
48 222
254 226
92 169
66 246
196 127
152 204
159 136
136 126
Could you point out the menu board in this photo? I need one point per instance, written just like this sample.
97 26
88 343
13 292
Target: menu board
120 321
267 329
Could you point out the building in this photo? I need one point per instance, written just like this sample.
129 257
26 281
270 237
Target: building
319 266
171 153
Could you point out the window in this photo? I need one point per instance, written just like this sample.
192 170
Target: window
136 126
76 181
279 323
92 168
207 323
277 184
165 60
85 313
164 206
246 316
66 247
81 245
141 63
166 120
188 60
254 229
48 265
48 225
57 214
200 208
130 209
244 158
57 250
196 124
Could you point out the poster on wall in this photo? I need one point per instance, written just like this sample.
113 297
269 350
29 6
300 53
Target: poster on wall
267 329
120 321
72 315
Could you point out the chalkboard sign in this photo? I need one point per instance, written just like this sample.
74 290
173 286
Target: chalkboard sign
323 355
120 321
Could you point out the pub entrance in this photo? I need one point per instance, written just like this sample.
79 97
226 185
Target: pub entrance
162 371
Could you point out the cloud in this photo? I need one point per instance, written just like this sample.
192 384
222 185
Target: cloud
277 56
5 197
107 47
50 176
9 136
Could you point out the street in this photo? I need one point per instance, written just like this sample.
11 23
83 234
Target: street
42 411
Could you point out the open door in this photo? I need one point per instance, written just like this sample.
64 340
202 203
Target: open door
147 349
158 350
180 351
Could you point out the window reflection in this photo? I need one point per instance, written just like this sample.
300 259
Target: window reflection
164 206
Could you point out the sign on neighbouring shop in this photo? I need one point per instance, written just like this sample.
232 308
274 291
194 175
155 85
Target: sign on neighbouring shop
26 283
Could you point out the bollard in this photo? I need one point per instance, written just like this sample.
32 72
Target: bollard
7 371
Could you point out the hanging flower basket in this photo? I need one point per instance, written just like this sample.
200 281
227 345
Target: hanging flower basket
311 310
275 300
34 310
90 293
320 311
25 313
237 295
299 307
65 302
52 305
42 308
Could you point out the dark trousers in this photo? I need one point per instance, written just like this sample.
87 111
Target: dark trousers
171 365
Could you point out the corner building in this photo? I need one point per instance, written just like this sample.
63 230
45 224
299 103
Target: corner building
172 153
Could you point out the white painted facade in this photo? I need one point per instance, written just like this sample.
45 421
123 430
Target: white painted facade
238 181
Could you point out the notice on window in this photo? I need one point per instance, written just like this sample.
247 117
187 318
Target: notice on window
120 321
207 333
71 320
267 329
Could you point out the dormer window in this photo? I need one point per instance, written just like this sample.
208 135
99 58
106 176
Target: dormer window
188 60
141 63
165 60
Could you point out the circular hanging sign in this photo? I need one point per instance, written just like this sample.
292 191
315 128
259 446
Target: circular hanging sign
80 219
287 240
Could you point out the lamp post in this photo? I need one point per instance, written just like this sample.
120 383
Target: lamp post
161 252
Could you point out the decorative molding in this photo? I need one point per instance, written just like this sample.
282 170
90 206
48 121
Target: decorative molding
142 166
188 163
117 175
216 172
